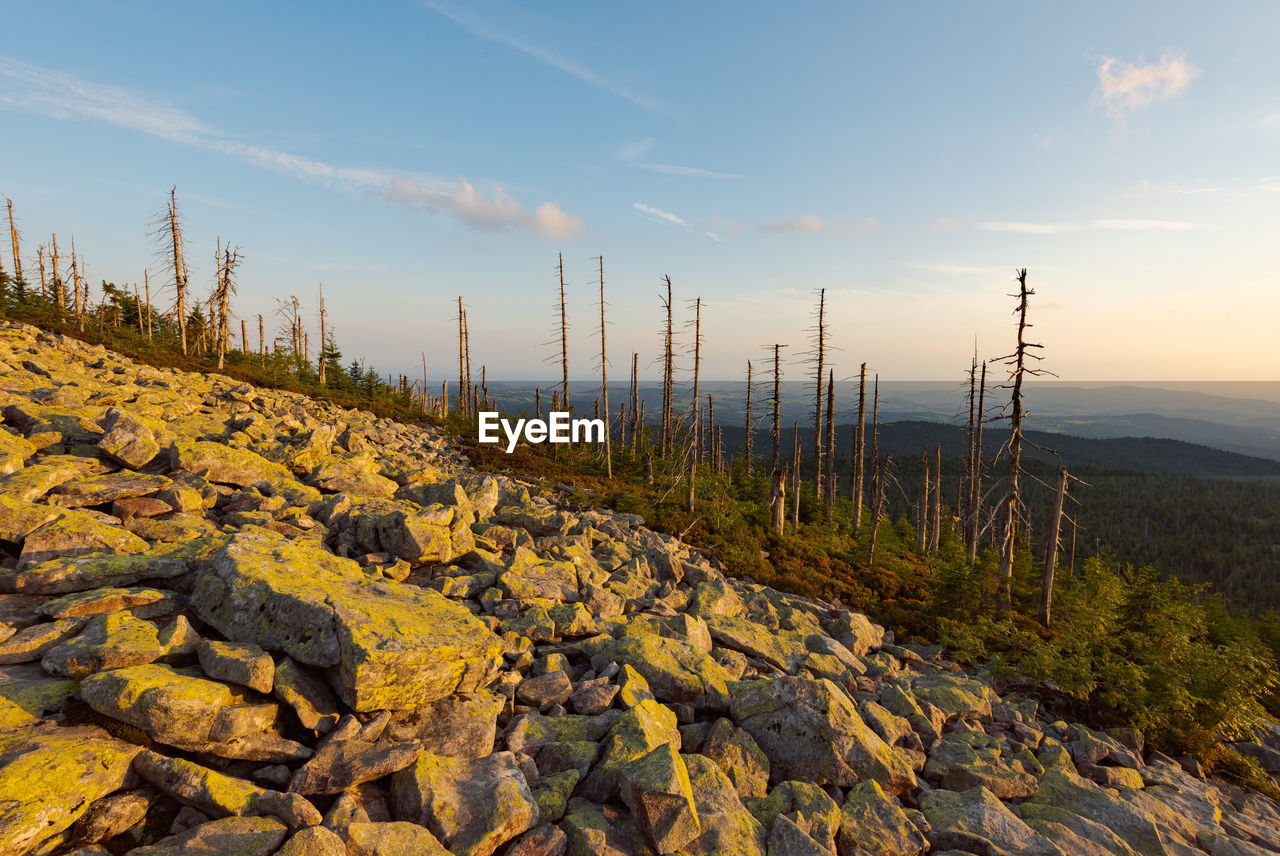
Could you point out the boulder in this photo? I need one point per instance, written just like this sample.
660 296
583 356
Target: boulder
460 726
223 464
392 839
655 787
241 836
974 820
313 841
811 731
246 665
73 766
739 756
473 806
727 826
673 670
871 822
397 646
112 641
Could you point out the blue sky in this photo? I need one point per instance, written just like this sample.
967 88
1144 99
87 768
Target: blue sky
906 157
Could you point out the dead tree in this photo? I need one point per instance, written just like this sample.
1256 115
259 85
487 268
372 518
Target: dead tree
244 337
667 374
922 506
226 288
146 281
564 339
19 284
829 465
750 428
77 307
635 401
935 533
604 383
818 357
975 495
469 392
44 285
878 473
695 438
167 233
321 363
795 479
462 375
777 499
776 432
1051 548
1011 505
859 451
262 342
59 289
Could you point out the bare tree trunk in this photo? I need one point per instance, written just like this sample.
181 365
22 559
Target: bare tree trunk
1051 551
935 536
137 305
750 428
324 347
777 405
146 281
19 284
244 337
44 285
262 341
795 480
667 377
829 465
1013 498
179 269
59 290
975 499
635 401
697 365
859 451
777 499
77 306
820 349
470 406
1071 551
564 339
922 506
462 375
604 383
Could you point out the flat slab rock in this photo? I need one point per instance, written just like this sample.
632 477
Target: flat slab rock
398 646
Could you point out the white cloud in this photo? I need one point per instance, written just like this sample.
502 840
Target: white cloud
61 96
1104 224
631 154
1143 225
1027 228
813 224
1123 86
658 213
713 236
542 55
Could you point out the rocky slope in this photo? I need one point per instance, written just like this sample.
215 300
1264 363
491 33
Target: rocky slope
239 621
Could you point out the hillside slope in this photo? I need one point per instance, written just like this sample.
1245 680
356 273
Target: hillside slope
240 620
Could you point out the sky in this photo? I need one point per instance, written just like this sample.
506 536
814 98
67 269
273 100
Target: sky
905 157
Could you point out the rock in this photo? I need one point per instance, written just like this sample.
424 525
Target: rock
111 815
460 726
473 806
75 533
596 830
357 476
218 795
655 787
800 801
963 761
546 840
313 841
14 452
727 826
84 573
307 694
74 766
1267 757
223 464
551 794
551 688
230 836
856 632
784 649
106 600
714 598
392 839
129 440
638 731
787 838
871 822
247 665
342 763
111 641
1073 833
28 694
739 756
32 642
632 687
974 820
398 646
673 670
594 699
811 731
101 489
955 696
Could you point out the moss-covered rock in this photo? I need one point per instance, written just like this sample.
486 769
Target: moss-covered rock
48 778
600 830
28 694
392 839
975 821
552 794
111 641
473 806
100 570
397 646
656 788
14 452
675 671
230 836
728 828
739 756
811 731
799 800
871 822
782 648
224 464
75 533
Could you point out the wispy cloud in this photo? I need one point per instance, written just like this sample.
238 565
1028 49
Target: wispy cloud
813 224
594 79
1026 228
1123 86
956 269
658 213
631 155
1104 224
50 93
